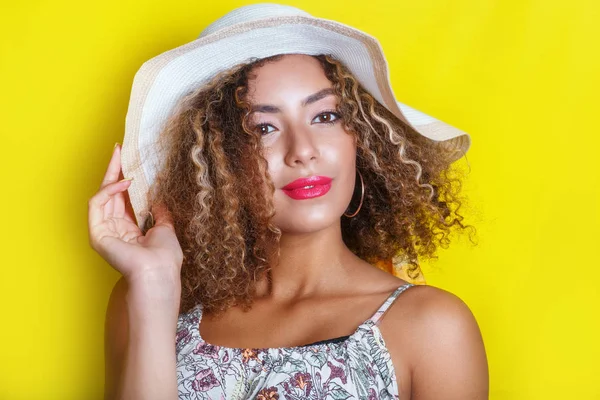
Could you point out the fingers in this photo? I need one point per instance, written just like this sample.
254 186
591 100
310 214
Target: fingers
123 207
112 175
96 205
114 167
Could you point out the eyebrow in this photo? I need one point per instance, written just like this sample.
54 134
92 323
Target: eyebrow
269 108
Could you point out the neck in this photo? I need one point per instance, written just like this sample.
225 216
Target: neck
308 263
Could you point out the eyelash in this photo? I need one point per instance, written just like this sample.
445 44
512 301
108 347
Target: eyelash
337 118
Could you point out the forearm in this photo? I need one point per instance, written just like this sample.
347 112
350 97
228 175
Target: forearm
149 370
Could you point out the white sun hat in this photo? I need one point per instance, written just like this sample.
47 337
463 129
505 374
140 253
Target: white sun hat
253 31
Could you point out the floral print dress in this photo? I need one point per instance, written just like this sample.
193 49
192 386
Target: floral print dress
357 366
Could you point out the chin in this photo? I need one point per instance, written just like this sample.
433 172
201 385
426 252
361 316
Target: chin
302 223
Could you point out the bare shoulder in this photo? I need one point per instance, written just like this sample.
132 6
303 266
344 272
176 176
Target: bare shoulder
115 337
433 334
429 307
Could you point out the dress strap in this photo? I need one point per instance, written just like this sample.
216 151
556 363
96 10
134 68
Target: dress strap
388 302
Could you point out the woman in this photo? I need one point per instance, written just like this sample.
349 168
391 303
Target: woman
281 180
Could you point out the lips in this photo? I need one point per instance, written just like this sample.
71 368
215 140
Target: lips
307 188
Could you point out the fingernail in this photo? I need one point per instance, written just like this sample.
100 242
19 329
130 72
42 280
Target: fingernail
126 179
115 146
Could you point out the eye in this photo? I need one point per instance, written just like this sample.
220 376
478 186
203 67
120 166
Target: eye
263 128
326 117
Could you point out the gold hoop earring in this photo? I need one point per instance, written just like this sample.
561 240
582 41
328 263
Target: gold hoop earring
148 222
362 196
151 218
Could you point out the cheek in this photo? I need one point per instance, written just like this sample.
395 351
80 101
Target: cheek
275 163
340 156
346 159
340 151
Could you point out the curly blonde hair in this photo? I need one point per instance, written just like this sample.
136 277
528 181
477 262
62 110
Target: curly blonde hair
215 182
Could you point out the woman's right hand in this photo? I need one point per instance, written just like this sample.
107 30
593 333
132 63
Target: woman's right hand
114 234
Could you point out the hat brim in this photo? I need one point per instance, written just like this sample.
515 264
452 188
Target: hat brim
161 81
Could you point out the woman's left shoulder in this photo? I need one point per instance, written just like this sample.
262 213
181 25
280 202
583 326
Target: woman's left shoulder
426 303
428 310
436 334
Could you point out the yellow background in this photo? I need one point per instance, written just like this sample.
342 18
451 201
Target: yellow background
520 75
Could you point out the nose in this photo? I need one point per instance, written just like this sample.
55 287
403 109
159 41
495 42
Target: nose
302 148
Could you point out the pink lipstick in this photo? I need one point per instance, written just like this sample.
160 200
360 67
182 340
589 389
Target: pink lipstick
307 188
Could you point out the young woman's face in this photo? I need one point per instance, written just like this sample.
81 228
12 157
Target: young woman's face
311 157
